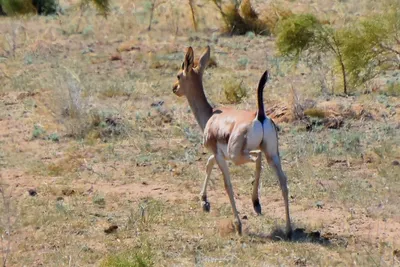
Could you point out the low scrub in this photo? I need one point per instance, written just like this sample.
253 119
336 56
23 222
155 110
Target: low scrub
95 124
102 6
234 91
240 18
17 7
315 113
21 7
138 257
393 89
80 117
46 7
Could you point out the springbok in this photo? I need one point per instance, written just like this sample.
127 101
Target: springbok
236 135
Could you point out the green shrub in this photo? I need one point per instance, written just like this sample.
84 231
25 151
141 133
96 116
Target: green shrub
297 34
21 7
304 33
234 92
54 137
368 49
370 45
361 50
38 131
17 7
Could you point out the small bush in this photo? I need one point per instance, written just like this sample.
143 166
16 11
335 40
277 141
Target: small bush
17 7
315 113
99 200
243 62
102 6
234 92
393 89
21 7
38 131
102 125
114 90
54 137
240 18
80 118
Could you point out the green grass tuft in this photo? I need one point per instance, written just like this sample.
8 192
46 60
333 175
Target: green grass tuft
137 257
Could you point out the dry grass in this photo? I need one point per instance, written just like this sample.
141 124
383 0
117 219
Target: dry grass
105 143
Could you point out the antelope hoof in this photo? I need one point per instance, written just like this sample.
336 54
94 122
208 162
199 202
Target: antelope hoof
238 226
257 206
289 233
206 206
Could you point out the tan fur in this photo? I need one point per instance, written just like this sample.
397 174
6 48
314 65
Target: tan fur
230 134
229 126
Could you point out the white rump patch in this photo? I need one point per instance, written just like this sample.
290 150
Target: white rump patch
270 137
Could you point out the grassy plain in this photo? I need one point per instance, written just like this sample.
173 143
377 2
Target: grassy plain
104 143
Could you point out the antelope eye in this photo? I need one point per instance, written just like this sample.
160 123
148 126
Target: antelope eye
179 77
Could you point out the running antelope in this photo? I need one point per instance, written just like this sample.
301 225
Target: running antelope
236 135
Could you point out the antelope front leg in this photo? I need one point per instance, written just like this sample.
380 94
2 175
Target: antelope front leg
228 187
203 194
256 186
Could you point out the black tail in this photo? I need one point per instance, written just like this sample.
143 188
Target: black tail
260 104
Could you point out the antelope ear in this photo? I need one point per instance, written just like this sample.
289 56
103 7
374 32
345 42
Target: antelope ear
189 60
203 60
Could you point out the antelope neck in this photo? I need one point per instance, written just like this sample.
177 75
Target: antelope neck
199 105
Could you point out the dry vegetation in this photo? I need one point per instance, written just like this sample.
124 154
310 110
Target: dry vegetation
101 165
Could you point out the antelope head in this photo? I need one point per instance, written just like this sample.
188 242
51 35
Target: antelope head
191 73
